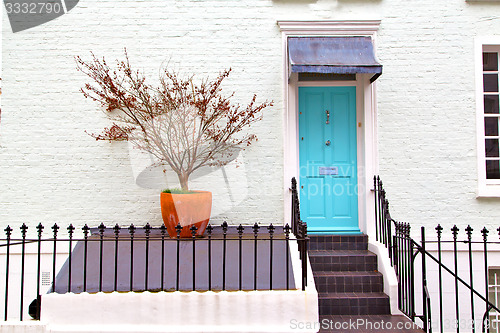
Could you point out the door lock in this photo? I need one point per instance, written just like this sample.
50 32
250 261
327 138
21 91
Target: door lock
328 142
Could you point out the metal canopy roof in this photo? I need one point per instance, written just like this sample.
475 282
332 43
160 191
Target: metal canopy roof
339 55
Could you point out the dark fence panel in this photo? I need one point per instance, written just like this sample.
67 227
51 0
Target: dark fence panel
143 258
139 258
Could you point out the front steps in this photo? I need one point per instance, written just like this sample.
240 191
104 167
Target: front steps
346 276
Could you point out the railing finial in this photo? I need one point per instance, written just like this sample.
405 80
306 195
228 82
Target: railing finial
193 229
439 230
455 230
255 229
178 229
240 230
85 229
116 229
469 230
485 232
210 228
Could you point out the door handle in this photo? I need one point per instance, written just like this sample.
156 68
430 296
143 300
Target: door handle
327 117
327 142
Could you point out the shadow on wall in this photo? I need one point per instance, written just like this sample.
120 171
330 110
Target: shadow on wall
228 183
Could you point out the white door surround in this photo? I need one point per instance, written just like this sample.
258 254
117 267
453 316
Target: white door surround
366 115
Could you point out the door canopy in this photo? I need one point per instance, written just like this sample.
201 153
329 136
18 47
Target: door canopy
333 55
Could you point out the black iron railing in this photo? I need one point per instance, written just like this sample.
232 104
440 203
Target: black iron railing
404 252
131 258
299 229
383 220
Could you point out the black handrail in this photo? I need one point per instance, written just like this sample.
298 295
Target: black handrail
299 229
459 279
403 250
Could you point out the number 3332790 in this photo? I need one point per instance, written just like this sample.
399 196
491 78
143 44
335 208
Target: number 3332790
33 8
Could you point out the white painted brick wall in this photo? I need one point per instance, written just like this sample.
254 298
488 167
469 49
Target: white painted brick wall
427 136
51 171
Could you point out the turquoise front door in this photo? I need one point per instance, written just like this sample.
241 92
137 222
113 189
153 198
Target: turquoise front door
327 159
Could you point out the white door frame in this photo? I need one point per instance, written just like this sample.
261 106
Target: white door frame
366 114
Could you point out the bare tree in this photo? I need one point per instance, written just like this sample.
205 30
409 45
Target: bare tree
184 124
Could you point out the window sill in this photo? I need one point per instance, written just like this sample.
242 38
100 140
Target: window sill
488 191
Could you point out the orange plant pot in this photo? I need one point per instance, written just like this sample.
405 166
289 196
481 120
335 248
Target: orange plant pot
186 210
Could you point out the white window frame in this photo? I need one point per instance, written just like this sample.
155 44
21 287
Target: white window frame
494 288
486 187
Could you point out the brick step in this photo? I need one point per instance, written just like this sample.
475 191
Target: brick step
343 260
338 242
339 282
353 303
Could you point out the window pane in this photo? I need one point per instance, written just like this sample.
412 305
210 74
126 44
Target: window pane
492 170
491 126
490 61
490 82
494 293
491 147
491 104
